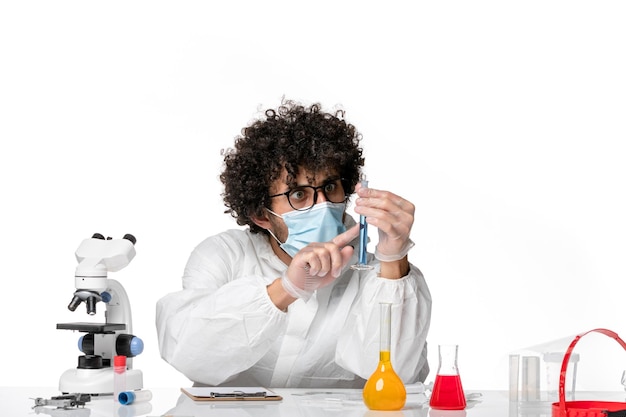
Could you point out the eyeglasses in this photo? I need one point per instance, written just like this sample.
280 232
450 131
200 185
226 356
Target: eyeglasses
304 197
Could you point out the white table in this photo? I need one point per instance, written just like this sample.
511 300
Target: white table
18 402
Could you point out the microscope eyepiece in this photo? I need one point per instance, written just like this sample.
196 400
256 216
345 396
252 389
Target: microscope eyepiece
130 237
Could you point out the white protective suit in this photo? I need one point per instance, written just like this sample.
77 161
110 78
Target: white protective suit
223 329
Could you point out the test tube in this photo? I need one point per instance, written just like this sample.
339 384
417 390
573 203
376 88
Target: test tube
362 264
119 376
530 378
513 377
129 397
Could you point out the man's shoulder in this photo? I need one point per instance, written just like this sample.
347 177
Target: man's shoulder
232 239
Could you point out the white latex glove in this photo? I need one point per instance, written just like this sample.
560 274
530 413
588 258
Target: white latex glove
318 264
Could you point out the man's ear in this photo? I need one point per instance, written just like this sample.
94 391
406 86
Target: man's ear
263 222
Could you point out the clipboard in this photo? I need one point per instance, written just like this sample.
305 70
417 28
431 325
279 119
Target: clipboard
231 394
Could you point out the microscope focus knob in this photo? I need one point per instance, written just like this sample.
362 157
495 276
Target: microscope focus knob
128 345
87 344
90 362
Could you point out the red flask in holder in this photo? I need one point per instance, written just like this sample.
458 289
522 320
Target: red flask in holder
584 408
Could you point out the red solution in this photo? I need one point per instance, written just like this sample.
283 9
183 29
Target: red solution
448 393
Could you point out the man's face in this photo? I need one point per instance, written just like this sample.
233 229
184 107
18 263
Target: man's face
281 204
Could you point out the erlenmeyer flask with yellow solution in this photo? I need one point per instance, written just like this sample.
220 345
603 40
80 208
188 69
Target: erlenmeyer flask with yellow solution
384 390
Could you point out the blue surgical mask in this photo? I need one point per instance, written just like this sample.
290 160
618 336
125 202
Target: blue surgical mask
321 223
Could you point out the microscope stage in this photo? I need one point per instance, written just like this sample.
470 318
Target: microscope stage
92 327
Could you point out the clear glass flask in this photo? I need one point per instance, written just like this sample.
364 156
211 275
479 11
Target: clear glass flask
448 391
384 390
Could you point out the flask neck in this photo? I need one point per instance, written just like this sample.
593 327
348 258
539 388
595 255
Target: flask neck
385 328
385 356
448 355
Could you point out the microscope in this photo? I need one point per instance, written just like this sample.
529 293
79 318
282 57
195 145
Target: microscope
103 341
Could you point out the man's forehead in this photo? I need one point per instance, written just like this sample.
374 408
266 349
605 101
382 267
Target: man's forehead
304 177
314 178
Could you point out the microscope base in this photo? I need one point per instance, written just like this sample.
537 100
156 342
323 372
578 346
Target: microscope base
97 381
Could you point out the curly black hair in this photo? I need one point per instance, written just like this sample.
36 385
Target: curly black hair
291 137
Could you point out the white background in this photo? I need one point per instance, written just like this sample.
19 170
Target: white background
502 121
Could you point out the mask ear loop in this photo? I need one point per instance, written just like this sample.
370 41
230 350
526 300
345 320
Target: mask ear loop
269 230
274 236
275 214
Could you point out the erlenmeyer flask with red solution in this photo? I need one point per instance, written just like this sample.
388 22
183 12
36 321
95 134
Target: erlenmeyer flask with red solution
448 391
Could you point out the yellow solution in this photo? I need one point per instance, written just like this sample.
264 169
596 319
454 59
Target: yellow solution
384 390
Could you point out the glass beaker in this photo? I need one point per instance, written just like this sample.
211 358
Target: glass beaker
448 391
384 390
554 361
